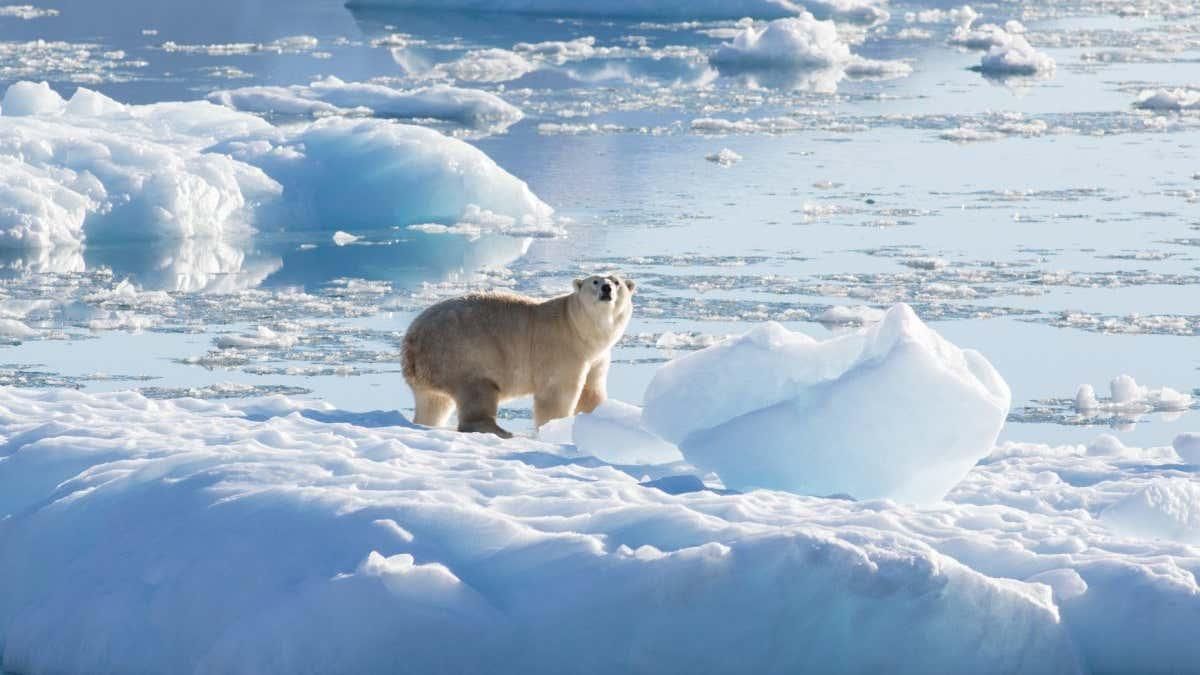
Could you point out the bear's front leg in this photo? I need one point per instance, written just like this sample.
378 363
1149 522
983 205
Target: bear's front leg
595 387
556 399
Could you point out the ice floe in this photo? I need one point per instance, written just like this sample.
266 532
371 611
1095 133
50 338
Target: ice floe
778 409
97 169
26 12
724 157
1168 99
329 96
810 49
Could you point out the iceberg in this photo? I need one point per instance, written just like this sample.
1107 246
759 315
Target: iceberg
893 410
94 169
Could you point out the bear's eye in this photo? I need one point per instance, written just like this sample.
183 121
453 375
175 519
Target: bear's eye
595 282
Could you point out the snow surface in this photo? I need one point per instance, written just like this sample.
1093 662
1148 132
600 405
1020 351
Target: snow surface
778 409
332 96
852 11
92 168
275 535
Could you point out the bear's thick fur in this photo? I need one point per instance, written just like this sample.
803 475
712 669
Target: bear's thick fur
475 351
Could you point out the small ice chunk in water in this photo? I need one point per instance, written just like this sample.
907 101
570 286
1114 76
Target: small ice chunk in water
342 238
725 157
893 410
1187 446
1085 398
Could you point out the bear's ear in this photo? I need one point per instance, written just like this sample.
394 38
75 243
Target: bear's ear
630 285
578 284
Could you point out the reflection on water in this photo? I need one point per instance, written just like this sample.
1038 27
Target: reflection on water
307 260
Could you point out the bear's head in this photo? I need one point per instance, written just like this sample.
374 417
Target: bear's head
608 298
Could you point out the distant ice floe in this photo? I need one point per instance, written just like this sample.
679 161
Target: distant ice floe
1168 99
26 12
802 52
293 44
849 11
1008 51
97 169
724 157
82 63
797 420
1127 403
331 96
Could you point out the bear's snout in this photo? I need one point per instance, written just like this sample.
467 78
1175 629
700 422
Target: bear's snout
606 291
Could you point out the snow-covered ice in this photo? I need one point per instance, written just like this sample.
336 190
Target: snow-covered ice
893 410
520 554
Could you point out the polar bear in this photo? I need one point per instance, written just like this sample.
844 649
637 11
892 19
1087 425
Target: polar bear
475 351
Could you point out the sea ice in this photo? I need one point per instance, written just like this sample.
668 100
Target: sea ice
469 107
724 157
1015 57
92 168
1168 99
811 51
893 410
851 11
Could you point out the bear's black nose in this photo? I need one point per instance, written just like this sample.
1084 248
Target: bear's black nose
606 292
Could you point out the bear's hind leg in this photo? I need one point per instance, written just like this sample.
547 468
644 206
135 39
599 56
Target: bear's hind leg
433 407
478 403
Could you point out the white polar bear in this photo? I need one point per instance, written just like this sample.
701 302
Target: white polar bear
475 351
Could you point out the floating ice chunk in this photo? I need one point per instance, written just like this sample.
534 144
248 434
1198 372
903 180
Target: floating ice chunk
1127 396
1187 446
614 433
1015 57
799 41
341 238
799 44
486 65
331 95
15 329
30 98
1167 508
262 338
476 222
963 16
893 410
725 157
1168 99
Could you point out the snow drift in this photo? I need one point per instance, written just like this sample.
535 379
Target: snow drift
893 410
93 168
